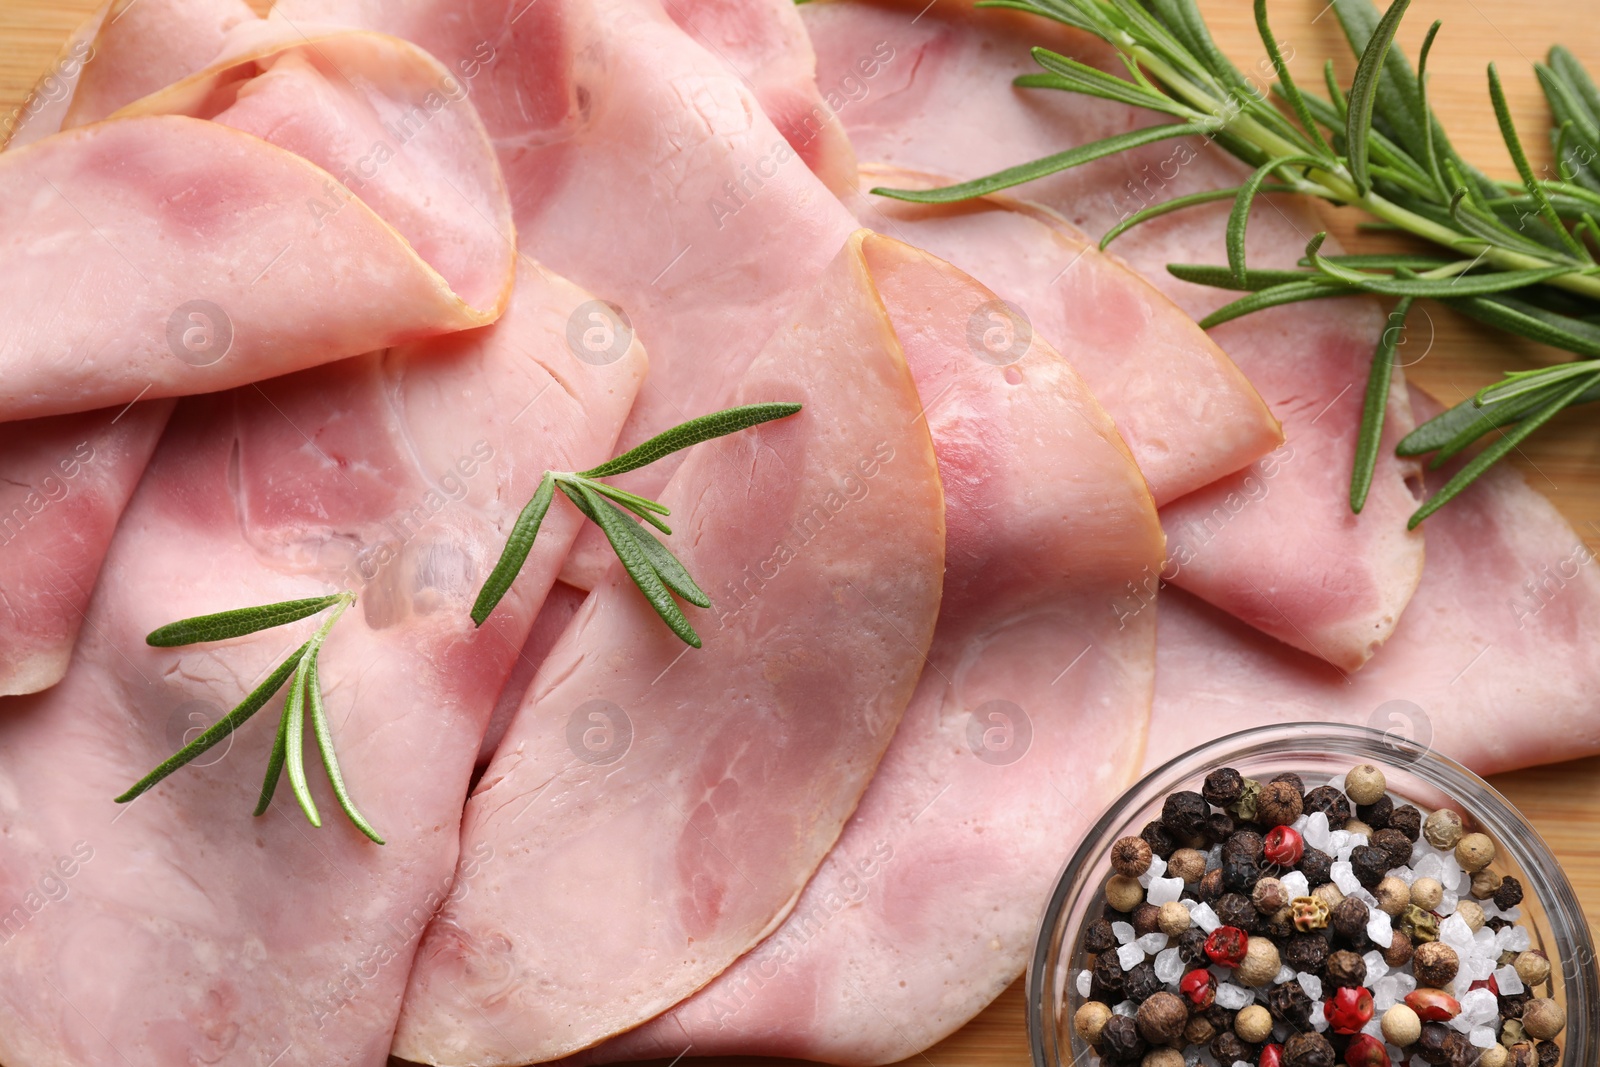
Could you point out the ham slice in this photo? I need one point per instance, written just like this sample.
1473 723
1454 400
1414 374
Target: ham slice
946 105
643 169
1187 414
397 475
560 605
219 239
1491 665
687 796
1028 720
765 43
46 107
63 484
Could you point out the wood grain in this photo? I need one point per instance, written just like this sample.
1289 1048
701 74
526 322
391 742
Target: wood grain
1563 461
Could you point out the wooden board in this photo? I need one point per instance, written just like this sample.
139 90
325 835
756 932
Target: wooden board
1563 461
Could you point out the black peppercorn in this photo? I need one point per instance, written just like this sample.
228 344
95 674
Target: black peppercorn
1098 937
1108 971
1332 803
1522 1055
1349 919
1290 1003
1209 887
1219 827
1509 895
1146 919
1306 952
1185 813
1376 815
1458 1051
1244 843
1511 1005
1229 1047
1120 1041
1317 866
1192 948
1307 1050
1141 983
1431 1045
1159 840
1102 994
1161 1018
1408 820
1396 844
1280 804
1293 779
1235 909
1549 1053
1279 925
1223 786
1219 1017
1344 969
1370 864
1495 923
1239 874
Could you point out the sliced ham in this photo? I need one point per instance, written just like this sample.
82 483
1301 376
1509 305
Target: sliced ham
946 105
766 44
1028 720
145 45
43 112
220 251
560 605
644 169
657 809
398 476
63 484
1187 414
1490 666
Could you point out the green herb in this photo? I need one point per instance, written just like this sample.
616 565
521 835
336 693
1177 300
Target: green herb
1519 254
305 698
653 568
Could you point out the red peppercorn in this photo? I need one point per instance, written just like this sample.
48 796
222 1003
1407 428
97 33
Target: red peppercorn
1283 846
1489 983
1349 1010
1199 987
1226 946
1433 1005
1365 1051
1271 1056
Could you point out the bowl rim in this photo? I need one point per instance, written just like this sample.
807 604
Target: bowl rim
1580 979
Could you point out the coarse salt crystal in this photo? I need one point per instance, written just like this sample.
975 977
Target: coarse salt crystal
1374 1027
1509 981
1408 984
1205 918
1337 840
1317 831
1431 865
1214 858
1376 966
1405 874
1480 1006
1165 891
1233 997
1365 896
1337 782
1169 965
1157 868
1150 944
1455 932
1285 974
1448 900
1130 956
1344 877
1299 825
1295 884
1481 1037
1385 994
1085 978
1124 933
1396 1057
1127 1007
1380 930
1460 1023
1311 984
1520 939
1319 1018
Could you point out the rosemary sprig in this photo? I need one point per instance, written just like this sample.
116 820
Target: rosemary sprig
1519 255
653 568
305 697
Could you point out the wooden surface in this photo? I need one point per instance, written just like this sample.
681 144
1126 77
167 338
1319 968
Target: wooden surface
1563 461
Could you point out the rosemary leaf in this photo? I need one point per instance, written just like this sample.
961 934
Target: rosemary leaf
330 760
236 623
294 737
515 554
1376 406
1519 317
1286 83
634 560
1254 280
222 727
1239 217
280 751
1177 203
643 507
1289 293
1508 132
704 428
1069 75
1364 93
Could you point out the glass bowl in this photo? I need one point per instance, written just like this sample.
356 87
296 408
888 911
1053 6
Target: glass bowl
1319 751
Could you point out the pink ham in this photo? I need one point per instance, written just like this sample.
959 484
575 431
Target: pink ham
217 239
765 43
1491 664
560 605
42 113
396 475
1028 719
147 44
946 105
63 484
1187 414
643 169
659 809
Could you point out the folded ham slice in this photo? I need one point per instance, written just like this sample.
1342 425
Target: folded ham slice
641 167
1187 414
1028 720
1491 664
398 476
221 251
946 105
655 810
